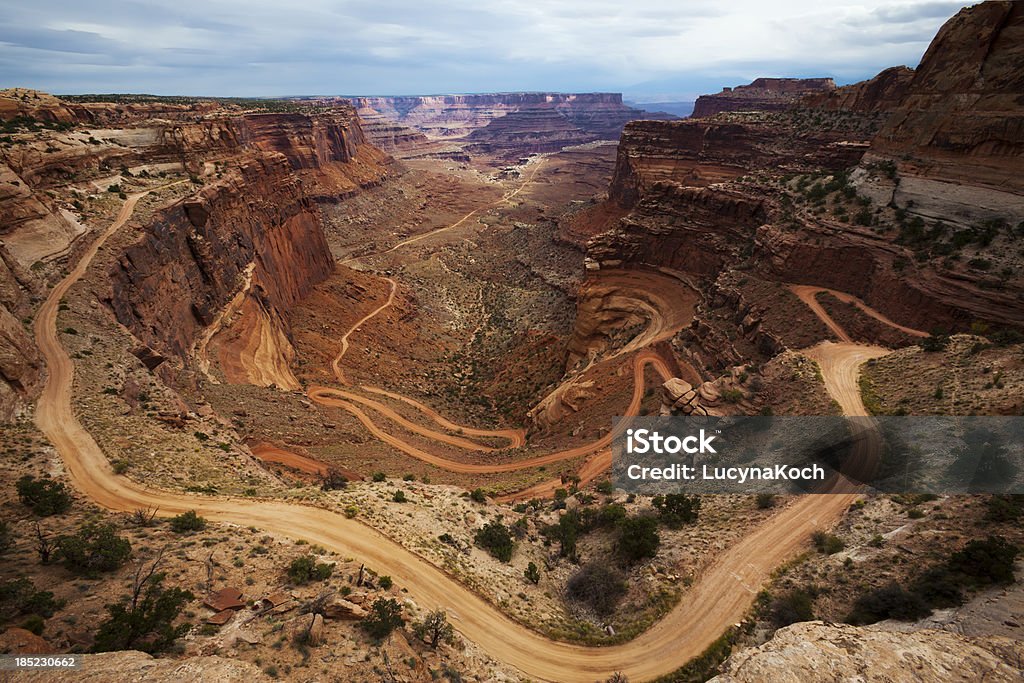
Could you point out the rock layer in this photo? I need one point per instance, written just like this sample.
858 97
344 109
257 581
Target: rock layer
762 94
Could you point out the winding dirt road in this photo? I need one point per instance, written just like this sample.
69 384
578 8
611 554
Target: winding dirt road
719 598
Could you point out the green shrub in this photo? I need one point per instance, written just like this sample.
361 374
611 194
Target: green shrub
677 509
399 496
495 538
95 548
532 574
145 624
765 501
791 607
379 476
19 597
888 602
478 496
637 538
187 522
598 586
385 582
827 544
304 569
385 616
44 497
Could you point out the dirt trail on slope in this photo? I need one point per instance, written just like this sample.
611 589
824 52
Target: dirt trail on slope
718 599
808 294
327 396
438 231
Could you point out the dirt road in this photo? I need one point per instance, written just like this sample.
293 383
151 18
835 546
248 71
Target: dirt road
808 294
718 599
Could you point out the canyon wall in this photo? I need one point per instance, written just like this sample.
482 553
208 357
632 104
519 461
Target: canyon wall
505 125
715 197
257 227
957 138
762 94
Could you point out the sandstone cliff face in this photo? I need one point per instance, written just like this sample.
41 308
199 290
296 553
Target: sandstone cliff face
882 93
961 121
762 94
20 366
702 152
188 263
257 228
813 651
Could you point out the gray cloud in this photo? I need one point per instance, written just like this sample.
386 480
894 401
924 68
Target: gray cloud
265 47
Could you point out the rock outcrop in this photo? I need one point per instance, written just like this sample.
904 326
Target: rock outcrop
882 93
957 137
810 652
762 94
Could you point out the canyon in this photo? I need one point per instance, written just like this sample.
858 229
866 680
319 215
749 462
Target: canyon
364 329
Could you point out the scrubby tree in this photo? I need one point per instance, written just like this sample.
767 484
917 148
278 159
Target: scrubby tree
145 622
19 597
676 509
304 569
638 538
95 548
332 480
44 496
188 522
434 629
532 574
494 537
598 586
385 616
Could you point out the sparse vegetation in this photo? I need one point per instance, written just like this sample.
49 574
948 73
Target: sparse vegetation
597 586
495 538
385 616
187 522
304 569
45 497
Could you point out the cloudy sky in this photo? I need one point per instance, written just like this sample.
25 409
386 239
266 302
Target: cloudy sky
671 48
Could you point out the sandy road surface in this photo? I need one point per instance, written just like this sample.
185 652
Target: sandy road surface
329 396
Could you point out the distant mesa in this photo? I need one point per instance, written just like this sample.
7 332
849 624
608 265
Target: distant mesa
762 94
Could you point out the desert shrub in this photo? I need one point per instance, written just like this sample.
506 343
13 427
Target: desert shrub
985 562
478 496
495 538
304 569
598 586
637 538
434 629
95 548
532 574
144 624
399 496
888 602
332 480
379 476
187 522
606 487
6 537
385 616
934 342
791 607
765 501
676 509
828 544
19 598
1005 508
44 497
385 582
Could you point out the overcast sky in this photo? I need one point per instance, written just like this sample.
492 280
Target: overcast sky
675 48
